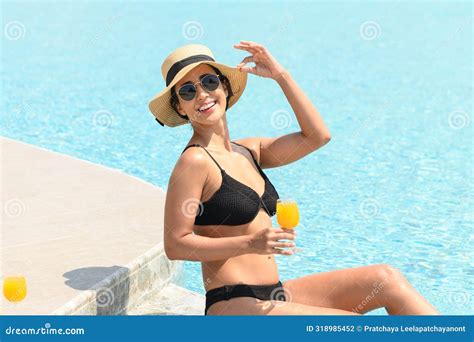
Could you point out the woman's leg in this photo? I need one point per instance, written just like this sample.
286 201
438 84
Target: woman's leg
253 306
360 290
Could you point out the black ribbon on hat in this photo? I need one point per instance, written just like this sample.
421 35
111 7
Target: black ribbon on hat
178 66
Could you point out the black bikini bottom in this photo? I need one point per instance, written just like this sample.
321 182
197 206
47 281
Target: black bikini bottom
263 292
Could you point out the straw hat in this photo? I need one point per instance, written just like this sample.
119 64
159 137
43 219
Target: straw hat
178 64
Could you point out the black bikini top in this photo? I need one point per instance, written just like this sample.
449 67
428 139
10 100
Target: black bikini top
235 203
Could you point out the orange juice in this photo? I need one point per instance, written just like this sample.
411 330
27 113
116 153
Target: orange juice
287 214
14 288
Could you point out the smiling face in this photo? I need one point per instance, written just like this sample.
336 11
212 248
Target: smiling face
196 108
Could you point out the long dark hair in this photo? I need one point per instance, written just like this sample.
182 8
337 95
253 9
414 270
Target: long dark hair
225 81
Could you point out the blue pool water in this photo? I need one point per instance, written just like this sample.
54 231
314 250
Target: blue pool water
392 80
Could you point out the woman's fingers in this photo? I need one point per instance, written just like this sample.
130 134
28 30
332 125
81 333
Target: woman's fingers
283 244
285 236
240 46
247 48
243 46
254 46
248 43
247 69
246 60
289 230
251 44
282 251
285 230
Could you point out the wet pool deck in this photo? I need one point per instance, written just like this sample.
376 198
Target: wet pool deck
88 239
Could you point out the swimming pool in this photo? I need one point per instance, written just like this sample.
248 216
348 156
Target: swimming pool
393 82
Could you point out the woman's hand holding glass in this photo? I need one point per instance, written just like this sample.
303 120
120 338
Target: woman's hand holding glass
267 241
288 215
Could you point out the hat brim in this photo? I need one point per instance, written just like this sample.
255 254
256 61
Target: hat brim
160 105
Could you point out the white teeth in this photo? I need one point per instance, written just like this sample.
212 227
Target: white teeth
206 106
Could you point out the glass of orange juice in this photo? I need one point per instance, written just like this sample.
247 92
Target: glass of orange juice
14 288
288 215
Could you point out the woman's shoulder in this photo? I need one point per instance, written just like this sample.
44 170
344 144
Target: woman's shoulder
192 156
191 167
252 144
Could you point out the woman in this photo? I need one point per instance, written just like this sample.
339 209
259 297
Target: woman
219 202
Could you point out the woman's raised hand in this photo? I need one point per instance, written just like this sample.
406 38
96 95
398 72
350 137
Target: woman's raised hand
265 64
267 241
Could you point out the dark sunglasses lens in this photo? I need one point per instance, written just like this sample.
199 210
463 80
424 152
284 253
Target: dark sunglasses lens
187 92
210 82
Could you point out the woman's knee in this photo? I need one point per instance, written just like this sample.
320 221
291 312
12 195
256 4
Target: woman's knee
391 278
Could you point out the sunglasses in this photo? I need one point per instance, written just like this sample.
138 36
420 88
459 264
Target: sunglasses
188 91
